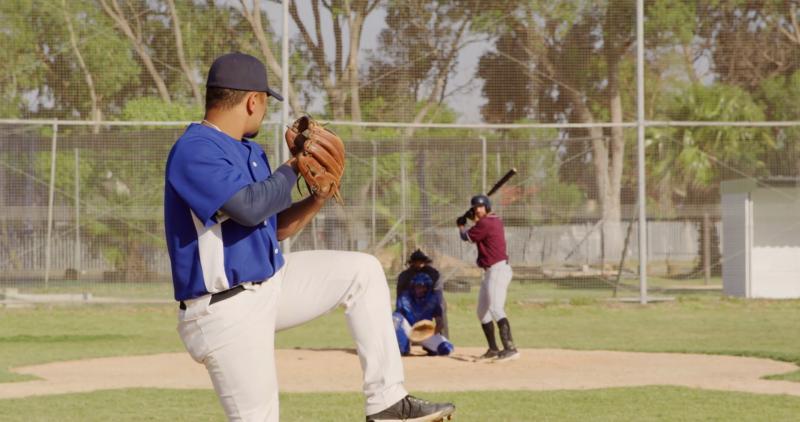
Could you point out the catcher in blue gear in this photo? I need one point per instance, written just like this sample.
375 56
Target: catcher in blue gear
417 307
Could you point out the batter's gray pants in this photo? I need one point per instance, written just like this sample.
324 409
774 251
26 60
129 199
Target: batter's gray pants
492 296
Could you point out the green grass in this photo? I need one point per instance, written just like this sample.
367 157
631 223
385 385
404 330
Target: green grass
790 376
696 323
48 333
565 290
146 290
693 323
614 404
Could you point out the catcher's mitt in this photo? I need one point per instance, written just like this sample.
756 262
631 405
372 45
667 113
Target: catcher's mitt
320 156
422 330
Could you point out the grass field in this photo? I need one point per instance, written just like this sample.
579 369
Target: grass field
694 323
613 404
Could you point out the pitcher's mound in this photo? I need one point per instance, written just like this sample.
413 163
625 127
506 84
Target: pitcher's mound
304 370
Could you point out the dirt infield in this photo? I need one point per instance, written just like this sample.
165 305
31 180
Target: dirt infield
304 370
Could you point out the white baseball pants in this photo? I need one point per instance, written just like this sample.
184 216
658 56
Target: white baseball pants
235 338
494 288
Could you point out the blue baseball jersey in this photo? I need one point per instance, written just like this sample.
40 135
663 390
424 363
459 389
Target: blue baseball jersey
416 309
211 253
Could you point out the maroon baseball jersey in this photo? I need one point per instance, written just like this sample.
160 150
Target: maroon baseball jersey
488 234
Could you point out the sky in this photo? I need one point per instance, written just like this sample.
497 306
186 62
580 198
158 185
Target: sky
466 103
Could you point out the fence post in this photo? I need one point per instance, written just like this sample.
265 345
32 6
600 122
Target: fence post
287 243
51 197
706 247
640 145
403 198
374 186
77 257
483 164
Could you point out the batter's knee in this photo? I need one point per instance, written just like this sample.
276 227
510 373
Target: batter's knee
484 315
497 314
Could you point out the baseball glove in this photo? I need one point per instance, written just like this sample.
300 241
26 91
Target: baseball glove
320 156
422 330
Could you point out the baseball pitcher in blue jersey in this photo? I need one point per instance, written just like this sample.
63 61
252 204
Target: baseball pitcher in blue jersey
225 210
417 303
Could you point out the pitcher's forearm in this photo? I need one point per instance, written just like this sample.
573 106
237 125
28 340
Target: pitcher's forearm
294 218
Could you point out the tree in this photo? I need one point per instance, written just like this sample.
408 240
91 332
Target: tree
131 20
188 70
781 97
561 43
20 58
409 72
750 40
701 157
253 15
339 78
696 159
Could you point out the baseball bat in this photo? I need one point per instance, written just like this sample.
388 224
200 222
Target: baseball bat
509 174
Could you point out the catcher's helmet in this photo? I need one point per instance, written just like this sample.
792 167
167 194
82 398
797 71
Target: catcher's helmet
481 200
422 279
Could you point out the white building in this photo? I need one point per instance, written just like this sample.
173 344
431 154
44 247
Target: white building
761 238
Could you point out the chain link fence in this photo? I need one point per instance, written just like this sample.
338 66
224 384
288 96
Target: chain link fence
436 100
82 209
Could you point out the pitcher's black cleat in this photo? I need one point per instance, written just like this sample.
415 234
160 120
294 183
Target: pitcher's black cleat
412 409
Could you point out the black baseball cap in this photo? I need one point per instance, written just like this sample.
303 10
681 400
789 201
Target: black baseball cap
418 255
240 71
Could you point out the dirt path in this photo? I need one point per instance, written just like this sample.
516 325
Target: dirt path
338 370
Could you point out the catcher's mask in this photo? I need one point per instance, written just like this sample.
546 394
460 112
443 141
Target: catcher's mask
478 200
423 280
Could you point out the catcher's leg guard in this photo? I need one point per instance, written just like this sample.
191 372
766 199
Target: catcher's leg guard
488 331
402 338
445 348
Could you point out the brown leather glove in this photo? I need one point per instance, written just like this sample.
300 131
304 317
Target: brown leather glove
422 330
320 156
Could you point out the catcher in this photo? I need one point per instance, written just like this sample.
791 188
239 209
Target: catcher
418 318
419 262
225 210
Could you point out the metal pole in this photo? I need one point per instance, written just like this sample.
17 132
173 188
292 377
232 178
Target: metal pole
499 169
374 186
640 144
51 198
285 71
483 164
77 263
498 195
403 198
287 244
706 248
278 143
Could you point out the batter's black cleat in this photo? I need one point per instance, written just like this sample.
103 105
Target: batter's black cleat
490 354
507 355
412 409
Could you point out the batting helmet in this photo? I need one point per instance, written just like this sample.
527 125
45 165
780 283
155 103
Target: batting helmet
481 200
422 279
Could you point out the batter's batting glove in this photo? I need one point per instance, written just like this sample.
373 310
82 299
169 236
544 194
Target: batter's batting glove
461 221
